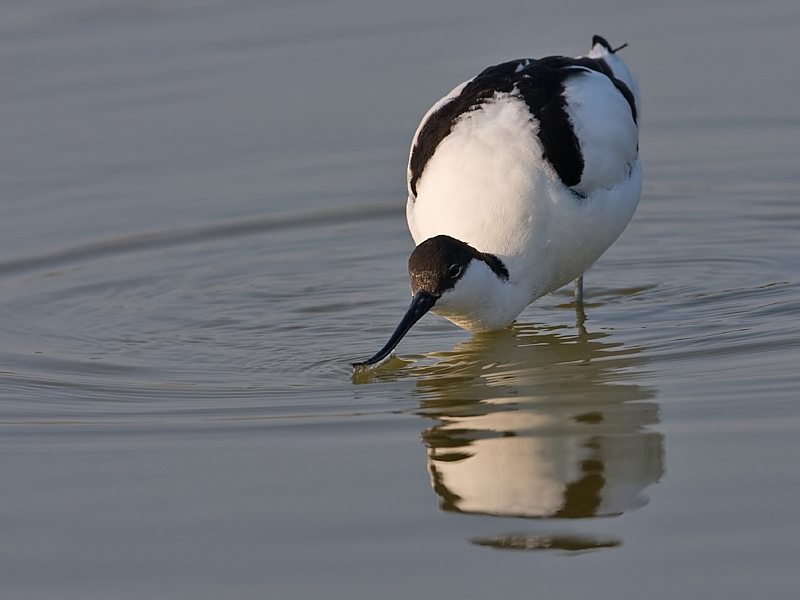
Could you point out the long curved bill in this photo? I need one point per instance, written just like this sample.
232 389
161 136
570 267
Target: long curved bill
423 301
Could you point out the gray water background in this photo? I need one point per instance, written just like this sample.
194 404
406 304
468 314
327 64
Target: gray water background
202 224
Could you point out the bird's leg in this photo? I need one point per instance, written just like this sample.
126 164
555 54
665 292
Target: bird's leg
580 313
579 290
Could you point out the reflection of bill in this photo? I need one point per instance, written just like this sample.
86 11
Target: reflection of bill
540 426
565 542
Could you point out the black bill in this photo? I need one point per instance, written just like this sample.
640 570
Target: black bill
423 301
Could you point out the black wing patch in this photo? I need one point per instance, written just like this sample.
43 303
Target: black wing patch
540 84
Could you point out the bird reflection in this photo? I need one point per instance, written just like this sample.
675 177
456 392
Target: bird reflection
539 423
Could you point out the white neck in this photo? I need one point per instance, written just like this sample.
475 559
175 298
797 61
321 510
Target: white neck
481 301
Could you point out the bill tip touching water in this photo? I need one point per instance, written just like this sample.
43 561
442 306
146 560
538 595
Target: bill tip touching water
518 180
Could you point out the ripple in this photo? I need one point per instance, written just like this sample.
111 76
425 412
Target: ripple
204 233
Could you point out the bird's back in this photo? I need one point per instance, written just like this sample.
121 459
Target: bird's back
531 158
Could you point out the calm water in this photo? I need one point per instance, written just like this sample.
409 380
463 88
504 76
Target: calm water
202 224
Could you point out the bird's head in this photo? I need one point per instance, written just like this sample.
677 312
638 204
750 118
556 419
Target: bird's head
451 276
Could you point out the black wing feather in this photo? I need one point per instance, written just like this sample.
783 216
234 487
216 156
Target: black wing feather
540 84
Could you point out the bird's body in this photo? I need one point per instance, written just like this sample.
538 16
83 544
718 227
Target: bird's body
518 181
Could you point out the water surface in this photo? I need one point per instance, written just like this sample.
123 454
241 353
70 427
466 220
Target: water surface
203 224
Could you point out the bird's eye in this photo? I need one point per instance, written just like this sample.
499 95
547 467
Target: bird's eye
455 271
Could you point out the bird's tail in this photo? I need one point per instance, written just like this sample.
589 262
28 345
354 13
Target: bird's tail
601 49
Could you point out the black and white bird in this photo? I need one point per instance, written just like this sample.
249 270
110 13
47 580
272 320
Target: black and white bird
518 180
